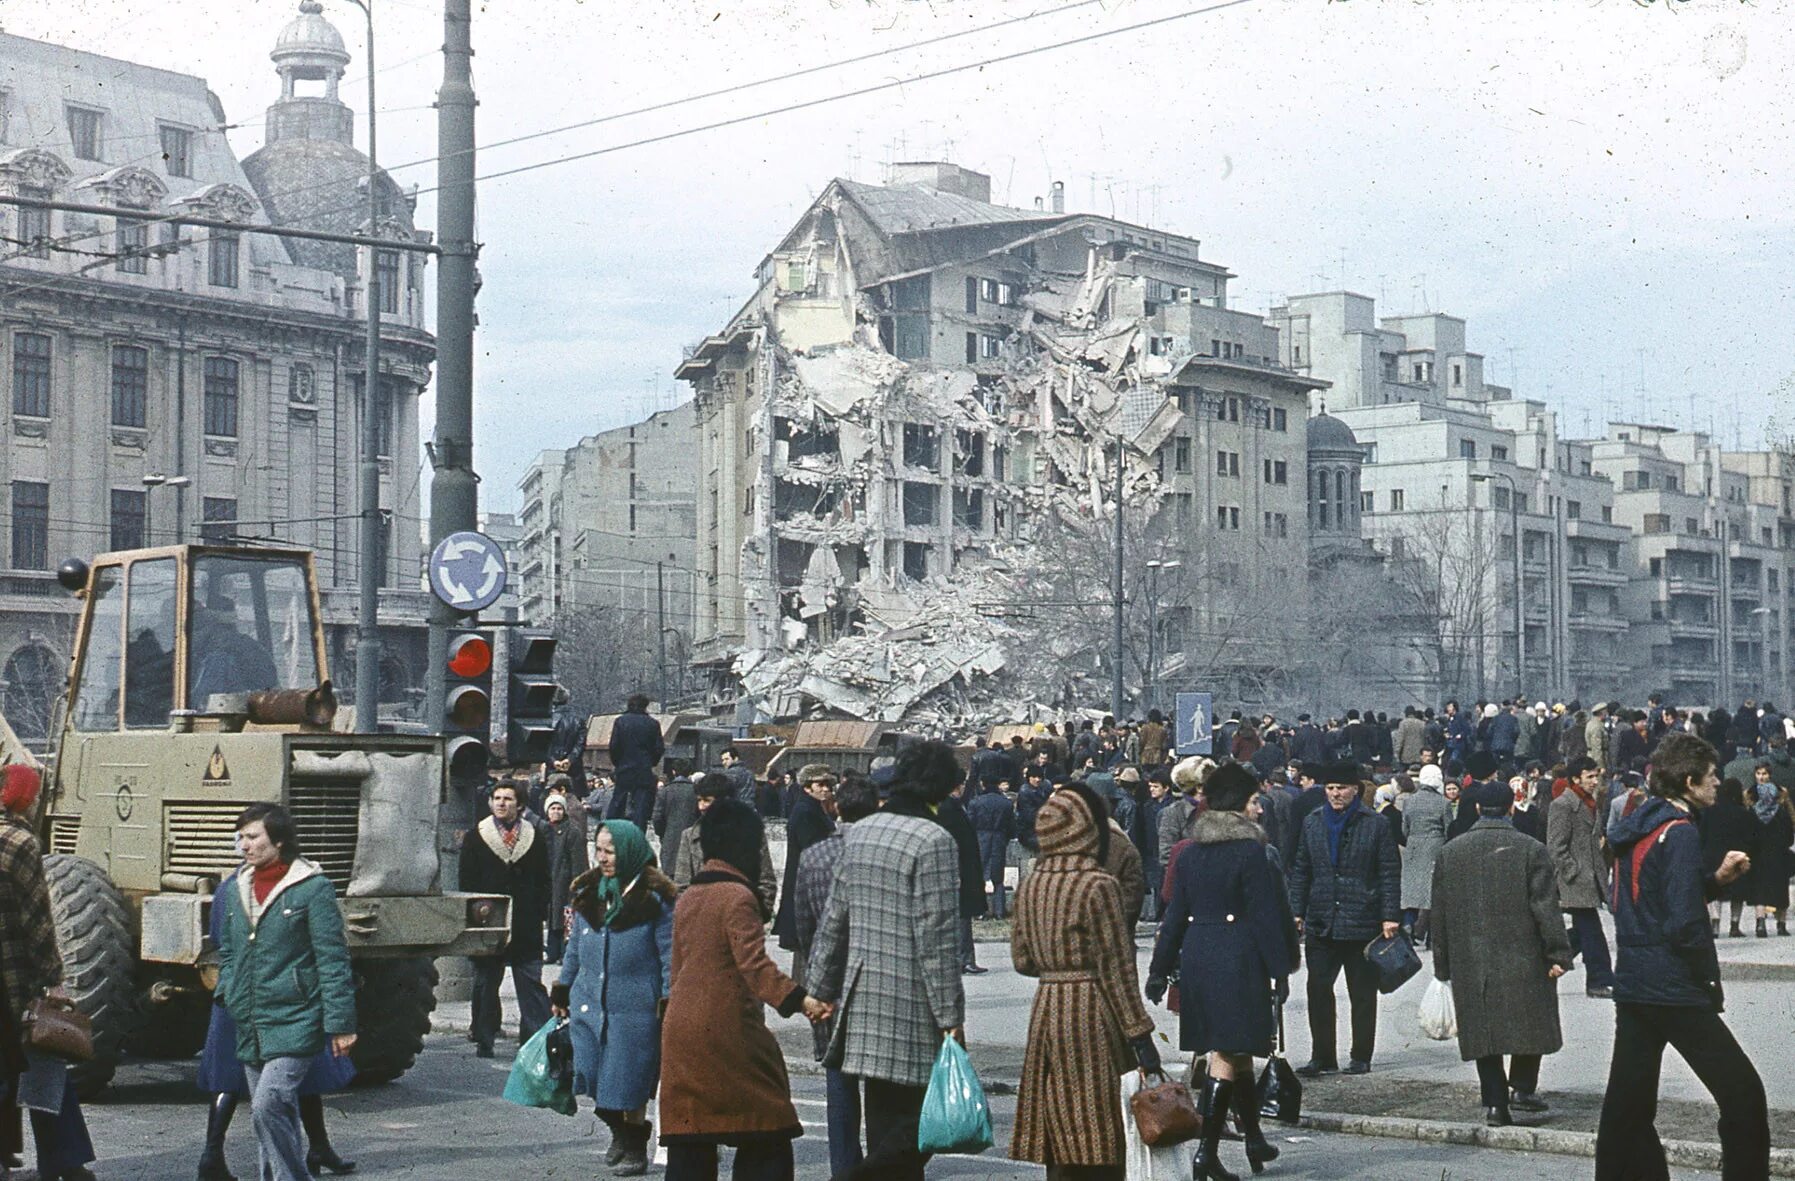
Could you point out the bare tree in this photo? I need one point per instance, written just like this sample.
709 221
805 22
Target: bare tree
1445 566
603 654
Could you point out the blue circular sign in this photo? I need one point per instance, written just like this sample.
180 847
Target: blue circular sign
467 571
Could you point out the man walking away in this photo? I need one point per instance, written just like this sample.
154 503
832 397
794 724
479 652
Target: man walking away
1667 981
994 820
636 747
1411 738
952 816
810 822
505 855
1345 890
1499 940
675 810
887 955
1574 838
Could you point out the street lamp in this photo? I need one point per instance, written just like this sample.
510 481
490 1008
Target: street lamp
1514 524
160 480
1153 569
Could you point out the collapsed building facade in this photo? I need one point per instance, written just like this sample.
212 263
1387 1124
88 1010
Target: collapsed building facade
908 472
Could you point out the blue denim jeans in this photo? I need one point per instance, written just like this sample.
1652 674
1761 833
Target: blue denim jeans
274 1109
843 1094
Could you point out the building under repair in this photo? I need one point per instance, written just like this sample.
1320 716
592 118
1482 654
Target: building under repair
908 478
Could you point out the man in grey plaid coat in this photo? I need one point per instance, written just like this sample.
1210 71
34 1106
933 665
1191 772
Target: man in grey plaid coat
887 955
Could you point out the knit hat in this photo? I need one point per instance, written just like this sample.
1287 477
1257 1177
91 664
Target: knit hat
1432 776
815 772
19 787
553 798
1065 826
1490 710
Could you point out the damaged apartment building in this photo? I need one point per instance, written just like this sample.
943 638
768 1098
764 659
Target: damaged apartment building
909 436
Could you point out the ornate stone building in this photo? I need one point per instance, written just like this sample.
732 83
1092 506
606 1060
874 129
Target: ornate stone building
168 383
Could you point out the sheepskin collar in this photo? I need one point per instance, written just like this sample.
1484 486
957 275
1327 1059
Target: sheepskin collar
642 901
1215 828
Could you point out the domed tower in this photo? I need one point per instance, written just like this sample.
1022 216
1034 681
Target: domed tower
1336 460
308 172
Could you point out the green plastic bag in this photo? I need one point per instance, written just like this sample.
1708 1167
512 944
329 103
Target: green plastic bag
534 1081
955 1116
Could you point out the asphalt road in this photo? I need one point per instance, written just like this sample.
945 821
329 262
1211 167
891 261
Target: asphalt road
445 1120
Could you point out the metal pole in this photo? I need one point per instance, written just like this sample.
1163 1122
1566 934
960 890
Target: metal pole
368 556
1514 522
1152 694
1115 689
660 624
453 492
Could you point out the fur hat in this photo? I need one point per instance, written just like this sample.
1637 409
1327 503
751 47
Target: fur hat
1480 764
1332 773
1189 774
813 772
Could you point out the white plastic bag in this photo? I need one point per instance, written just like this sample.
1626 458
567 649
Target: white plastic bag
1439 1020
1171 1163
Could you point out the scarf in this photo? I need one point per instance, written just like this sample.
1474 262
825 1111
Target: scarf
1768 796
508 832
633 856
1335 823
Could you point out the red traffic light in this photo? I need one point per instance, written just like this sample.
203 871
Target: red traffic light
470 656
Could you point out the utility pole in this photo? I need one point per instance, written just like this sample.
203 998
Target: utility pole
1115 689
453 491
369 557
660 624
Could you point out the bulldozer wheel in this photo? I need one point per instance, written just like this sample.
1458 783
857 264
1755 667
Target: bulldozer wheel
393 1003
94 933
175 1029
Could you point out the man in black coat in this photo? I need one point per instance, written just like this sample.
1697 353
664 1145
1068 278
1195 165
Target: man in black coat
952 816
809 823
505 854
1305 744
1310 797
993 817
636 747
567 743
1345 890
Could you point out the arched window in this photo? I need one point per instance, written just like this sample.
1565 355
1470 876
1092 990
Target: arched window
1321 501
32 676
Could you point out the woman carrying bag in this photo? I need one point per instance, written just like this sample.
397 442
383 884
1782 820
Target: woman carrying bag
1227 897
1088 1027
614 975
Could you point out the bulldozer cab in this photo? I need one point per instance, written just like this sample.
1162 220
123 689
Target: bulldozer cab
166 630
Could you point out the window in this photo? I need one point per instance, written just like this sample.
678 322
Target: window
1499 496
1227 463
1670 483
386 273
383 411
1607 514
31 374
34 226
130 242
1296 354
1467 449
1691 526
1395 500
221 397
1369 450
1367 502
1280 420
988 291
989 347
1215 348
1227 517
221 261
972 296
1656 523
969 453
972 345
130 518
130 385
1227 409
920 503
1277 471
1181 453
84 133
1277 525
1181 502
218 516
1000 462
1262 417
969 509
30 525
1458 375
1573 510
96 697
177 150
916 560
1186 400
919 446
1497 451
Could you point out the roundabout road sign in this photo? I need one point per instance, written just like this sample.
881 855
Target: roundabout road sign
467 571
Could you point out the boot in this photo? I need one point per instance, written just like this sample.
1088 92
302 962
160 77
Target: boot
1762 932
1715 924
613 1121
1735 932
1246 1106
1212 1104
212 1166
634 1161
319 1155
1782 926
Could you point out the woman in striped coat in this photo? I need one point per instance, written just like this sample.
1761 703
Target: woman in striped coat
1089 1027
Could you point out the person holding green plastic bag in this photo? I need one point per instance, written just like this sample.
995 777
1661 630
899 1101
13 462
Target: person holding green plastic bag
615 975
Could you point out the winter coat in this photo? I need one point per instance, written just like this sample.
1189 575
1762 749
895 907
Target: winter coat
953 818
1573 741
283 966
567 743
1772 864
1304 803
636 746
675 810
809 824
816 874
1155 743
1124 864
1411 740
722 1074
1228 933
612 982
888 951
567 860
1665 947
1424 822
992 813
1574 839
1628 746
1028 803
1350 900
1724 828
1595 742
689 862
1174 823
1496 929
30 964
519 872
1070 933
1460 821
1305 744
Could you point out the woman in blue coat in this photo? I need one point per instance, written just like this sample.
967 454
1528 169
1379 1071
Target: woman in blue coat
613 982
1228 934
221 1076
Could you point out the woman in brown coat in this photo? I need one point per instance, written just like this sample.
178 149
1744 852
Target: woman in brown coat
723 1077
1089 1027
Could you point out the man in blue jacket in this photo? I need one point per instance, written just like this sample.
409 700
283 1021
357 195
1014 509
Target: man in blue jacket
1667 976
636 749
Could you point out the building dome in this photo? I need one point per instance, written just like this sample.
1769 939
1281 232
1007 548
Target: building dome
1327 433
310 42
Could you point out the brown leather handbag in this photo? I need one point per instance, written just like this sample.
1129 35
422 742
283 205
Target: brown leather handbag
54 1026
1165 1114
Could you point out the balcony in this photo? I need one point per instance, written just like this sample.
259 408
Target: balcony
1589 621
1689 584
1694 629
1606 576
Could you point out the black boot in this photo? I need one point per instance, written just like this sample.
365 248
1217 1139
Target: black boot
1212 1104
218 1122
1782 926
634 1161
1734 931
1763 933
319 1154
1246 1106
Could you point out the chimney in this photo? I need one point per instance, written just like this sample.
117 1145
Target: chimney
1037 204
1059 196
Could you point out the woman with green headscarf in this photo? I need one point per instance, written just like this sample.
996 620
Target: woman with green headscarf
613 981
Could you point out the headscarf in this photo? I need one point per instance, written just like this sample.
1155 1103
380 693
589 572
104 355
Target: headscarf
1432 777
1768 796
633 856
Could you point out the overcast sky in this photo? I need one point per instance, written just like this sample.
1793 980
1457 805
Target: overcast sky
1602 189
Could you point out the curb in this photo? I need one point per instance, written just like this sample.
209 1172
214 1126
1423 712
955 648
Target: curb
1684 1154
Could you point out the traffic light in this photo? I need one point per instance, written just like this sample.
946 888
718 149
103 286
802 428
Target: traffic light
530 701
467 705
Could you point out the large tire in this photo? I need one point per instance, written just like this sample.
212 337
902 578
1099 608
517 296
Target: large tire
175 1028
393 1003
95 935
